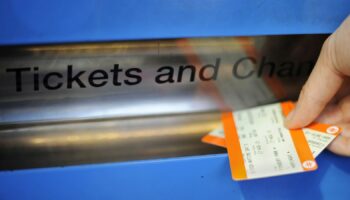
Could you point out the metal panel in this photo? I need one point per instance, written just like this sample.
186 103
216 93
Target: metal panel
96 141
225 91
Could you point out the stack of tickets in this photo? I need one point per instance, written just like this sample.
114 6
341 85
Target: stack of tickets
260 146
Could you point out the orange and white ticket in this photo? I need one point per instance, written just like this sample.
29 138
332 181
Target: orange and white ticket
319 136
259 145
317 139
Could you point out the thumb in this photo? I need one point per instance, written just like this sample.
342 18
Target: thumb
325 79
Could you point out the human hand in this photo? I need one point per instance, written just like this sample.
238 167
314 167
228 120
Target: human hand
326 94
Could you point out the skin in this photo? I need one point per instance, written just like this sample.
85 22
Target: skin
325 97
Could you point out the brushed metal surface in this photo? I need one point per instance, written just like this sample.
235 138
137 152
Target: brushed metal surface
106 140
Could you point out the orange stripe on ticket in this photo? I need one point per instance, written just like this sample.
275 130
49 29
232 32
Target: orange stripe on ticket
303 150
233 147
300 143
325 128
287 107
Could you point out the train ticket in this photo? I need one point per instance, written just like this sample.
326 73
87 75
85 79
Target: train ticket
317 139
259 145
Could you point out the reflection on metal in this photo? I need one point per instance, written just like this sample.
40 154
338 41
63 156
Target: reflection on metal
61 127
106 140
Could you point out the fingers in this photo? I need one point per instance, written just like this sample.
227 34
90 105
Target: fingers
344 105
336 113
344 90
322 85
331 68
331 115
341 144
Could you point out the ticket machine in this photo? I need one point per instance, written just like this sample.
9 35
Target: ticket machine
110 99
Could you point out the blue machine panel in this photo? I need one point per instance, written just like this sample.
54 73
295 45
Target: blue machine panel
39 21
200 177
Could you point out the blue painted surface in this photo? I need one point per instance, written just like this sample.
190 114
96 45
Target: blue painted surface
39 21
202 177
199 177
